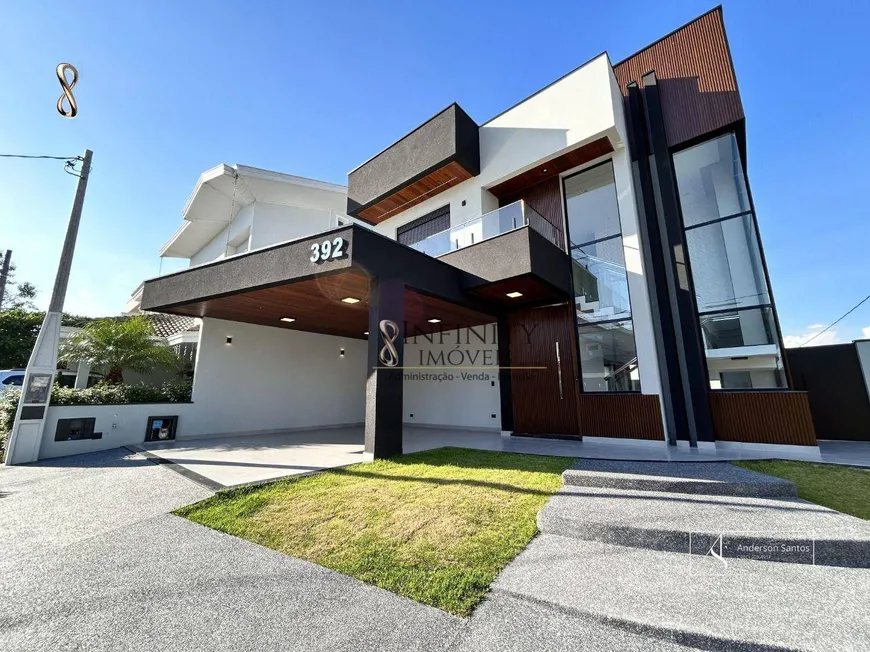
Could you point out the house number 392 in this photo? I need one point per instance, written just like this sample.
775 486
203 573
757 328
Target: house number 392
326 250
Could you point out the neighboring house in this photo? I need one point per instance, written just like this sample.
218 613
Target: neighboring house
237 209
585 264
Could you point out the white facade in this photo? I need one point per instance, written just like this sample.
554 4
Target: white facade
581 107
462 388
271 379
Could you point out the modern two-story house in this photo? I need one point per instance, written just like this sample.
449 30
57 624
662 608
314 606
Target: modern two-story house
585 264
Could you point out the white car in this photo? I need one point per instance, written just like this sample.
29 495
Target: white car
11 378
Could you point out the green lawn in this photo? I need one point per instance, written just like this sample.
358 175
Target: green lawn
843 488
435 526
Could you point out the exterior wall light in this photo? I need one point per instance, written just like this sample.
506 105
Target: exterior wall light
514 295
433 321
229 341
366 333
341 353
289 320
350 300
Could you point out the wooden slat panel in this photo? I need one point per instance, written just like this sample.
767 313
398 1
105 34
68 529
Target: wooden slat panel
778 417
629 416
553 167
546 198
317 307
695 76
538 409
415 193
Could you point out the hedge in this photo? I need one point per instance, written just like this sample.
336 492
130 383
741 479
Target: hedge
102 394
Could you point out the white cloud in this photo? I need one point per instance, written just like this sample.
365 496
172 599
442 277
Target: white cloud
828 337
866 332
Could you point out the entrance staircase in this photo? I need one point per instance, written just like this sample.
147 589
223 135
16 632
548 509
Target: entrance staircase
700 556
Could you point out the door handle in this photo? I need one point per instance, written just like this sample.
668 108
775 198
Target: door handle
559 371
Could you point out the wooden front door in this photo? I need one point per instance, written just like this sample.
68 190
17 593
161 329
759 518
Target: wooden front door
544 395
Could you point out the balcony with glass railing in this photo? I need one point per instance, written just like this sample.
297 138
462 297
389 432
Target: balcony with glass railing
502 220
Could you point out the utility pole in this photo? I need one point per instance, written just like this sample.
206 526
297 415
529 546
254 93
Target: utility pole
26 437
69 244
4 274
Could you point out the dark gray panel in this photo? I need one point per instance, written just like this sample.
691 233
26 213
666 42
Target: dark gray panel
32 411
450 136
518 252
257 269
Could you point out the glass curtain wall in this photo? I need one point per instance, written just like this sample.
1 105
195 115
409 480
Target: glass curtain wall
731 287
608 358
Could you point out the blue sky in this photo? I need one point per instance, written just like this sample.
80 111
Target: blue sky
169 89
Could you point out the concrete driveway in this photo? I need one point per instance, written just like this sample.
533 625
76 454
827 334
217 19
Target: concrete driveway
235 460
92 560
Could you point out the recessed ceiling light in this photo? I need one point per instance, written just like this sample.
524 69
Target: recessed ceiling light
433 321
514 295
288 319
544 170
350 300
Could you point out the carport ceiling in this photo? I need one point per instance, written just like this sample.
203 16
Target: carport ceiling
316 306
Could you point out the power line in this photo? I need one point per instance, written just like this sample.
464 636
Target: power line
838 321
69 167
57 158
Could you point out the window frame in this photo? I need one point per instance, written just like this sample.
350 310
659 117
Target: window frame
569 247
673 152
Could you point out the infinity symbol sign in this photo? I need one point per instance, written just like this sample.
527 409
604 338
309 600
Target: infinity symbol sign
67 90
389 356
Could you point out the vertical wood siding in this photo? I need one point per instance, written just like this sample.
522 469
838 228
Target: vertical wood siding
546 198
696 78
778 417
632 416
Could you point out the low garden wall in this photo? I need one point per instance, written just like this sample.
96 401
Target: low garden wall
119 425
120 411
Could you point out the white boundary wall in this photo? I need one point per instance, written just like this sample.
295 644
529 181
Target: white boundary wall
121 425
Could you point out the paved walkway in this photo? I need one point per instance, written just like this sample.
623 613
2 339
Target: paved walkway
92 560
627 544
247 459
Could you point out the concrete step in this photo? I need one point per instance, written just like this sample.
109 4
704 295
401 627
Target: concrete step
696 601
766 529
509 623
709 478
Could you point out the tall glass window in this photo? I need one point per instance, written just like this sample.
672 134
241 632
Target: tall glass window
731 286
608 358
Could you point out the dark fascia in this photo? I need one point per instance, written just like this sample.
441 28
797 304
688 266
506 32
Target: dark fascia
466 152
515 253
262 268
289 262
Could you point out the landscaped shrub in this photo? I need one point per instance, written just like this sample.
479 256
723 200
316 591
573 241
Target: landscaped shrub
172 391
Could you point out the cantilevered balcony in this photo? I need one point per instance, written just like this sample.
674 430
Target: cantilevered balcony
502 220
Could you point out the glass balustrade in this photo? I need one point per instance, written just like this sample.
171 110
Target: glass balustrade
507 218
